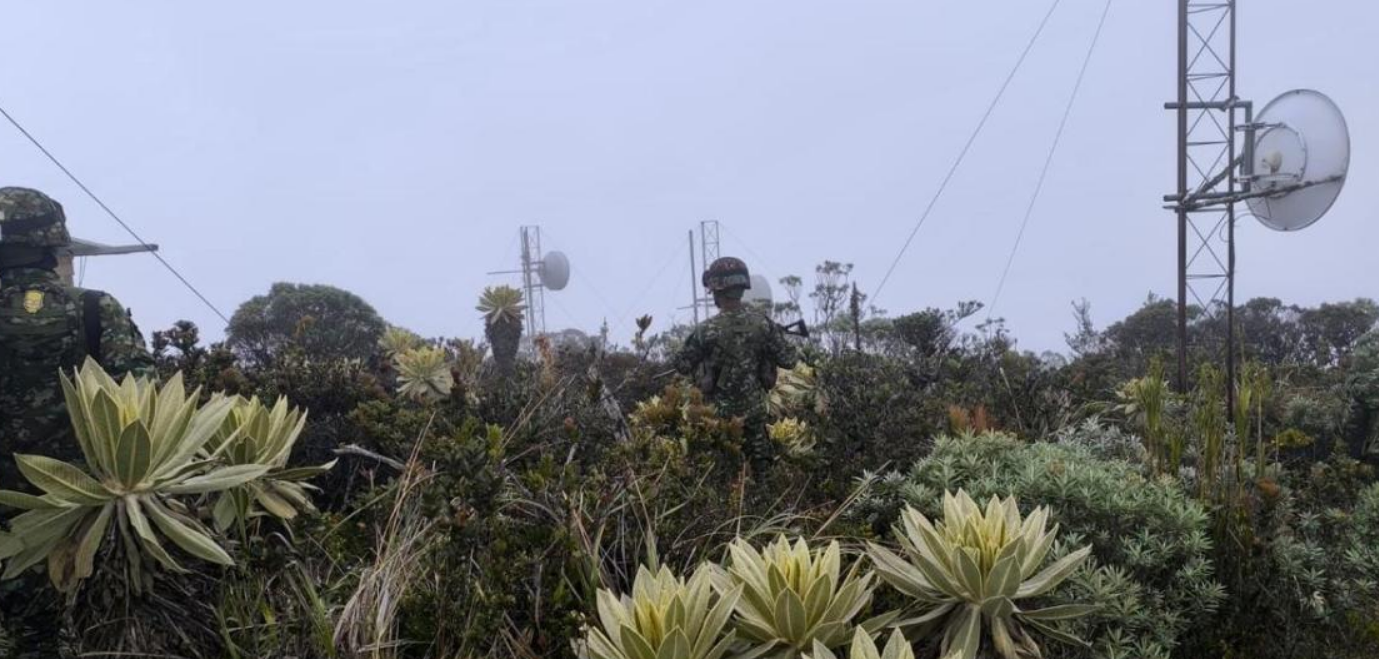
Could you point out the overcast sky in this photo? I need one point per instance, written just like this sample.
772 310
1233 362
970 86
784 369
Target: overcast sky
394 149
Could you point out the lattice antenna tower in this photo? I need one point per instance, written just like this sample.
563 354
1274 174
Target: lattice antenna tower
540 271
1288 166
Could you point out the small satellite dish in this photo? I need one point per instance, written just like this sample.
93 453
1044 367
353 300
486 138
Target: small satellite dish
759 292
554 271
1301 151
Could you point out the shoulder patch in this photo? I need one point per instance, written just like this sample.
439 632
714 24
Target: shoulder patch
33 301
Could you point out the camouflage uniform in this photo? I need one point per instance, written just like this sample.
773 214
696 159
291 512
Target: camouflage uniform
43 329
44 326
735 356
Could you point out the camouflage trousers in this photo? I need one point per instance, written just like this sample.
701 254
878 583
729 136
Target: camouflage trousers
757 448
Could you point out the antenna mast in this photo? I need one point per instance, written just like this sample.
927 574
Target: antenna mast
1208 110
708 253
532 285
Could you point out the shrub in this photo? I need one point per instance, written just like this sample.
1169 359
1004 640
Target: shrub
1150 575
863 647
1306 586
794 597
143 446
323 322
664 617
972 568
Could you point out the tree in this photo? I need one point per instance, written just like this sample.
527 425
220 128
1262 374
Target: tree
503 309
1331 330
323 322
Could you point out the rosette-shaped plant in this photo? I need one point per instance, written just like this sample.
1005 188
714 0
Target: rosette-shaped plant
253 434
796 391
503 308
397 340
143 446
666 617
973 567
423 374
794 598
863 647
795 437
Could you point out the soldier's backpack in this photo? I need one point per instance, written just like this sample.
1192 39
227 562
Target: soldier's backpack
44 329
738 348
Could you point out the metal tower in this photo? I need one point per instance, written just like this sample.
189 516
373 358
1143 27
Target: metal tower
1210 119
709 251
531 281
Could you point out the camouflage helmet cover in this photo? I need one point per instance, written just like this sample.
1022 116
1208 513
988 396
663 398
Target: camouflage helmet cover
29 217
726 274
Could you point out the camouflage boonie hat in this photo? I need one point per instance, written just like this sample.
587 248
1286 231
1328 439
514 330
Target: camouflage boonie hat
727 273
29 217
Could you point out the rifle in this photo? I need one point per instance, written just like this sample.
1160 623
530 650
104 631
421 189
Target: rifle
797 328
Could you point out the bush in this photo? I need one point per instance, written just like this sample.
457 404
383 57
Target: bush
1150 574
323 322
1306 583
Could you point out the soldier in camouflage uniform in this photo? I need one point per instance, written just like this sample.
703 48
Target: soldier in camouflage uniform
47 326
735 356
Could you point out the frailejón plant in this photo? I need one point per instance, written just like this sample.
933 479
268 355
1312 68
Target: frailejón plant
665 617
143 446
253 434
863 647
794 597
397 340
973 567
423 374
503 309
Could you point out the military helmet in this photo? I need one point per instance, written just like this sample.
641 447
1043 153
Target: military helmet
726 274
29 217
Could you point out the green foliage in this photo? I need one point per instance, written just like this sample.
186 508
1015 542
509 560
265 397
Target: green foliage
255 435
1150 575
794 597
144 447
664 617
501 305
863 647
397 340
502 308
973 568
322 322
1306 585
423 374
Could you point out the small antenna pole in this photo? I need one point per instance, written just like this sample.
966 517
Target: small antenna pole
709 251
694 280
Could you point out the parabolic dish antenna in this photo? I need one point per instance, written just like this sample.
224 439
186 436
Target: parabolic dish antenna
759 292
1302 152
554 271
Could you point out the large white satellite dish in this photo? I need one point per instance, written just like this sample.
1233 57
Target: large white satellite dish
554 271
1301 152
759 292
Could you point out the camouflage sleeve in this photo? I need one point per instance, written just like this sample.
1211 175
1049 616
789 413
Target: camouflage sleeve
780 349
122 344
691 354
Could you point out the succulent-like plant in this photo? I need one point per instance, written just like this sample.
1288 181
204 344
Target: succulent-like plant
423 374
397 340
503 309
253 434
144 447
795 437
796 391
794 598
973 567
863 647
665 617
